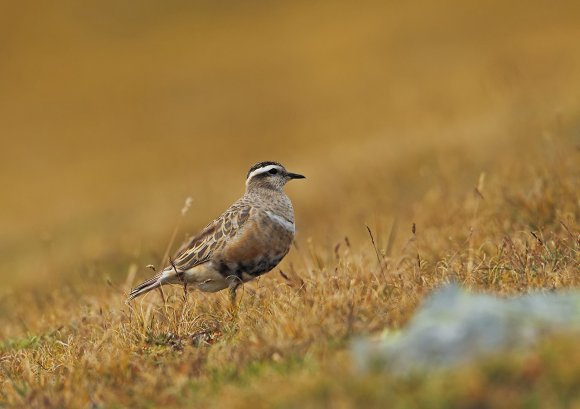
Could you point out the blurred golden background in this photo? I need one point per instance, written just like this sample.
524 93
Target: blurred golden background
113 112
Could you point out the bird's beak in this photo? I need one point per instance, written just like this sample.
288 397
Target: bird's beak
295 176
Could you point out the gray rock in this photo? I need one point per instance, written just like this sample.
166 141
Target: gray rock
454 327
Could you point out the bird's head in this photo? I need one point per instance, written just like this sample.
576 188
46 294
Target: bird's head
269 175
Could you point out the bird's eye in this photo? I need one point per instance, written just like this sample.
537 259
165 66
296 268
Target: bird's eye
273 171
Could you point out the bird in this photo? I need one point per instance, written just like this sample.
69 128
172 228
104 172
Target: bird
249 239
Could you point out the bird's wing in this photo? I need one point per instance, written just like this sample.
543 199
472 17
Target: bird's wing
214 236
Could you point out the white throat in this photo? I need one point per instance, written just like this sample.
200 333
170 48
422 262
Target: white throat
287 224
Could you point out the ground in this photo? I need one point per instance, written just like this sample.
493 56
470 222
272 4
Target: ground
440 143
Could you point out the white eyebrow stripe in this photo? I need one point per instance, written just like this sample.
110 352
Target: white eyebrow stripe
263 169
288 225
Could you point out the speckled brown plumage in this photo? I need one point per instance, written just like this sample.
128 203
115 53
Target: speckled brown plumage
213 237
247 240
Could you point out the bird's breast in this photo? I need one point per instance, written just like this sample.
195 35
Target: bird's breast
264 241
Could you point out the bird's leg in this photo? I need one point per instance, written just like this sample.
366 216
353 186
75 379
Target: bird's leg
234 284
232 288
181 277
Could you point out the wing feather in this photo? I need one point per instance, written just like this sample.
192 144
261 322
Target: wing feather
200 248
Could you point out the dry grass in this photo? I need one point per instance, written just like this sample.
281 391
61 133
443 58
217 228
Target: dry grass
440 143
519 230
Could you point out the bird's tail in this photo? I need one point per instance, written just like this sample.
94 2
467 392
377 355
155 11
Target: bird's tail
154 282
